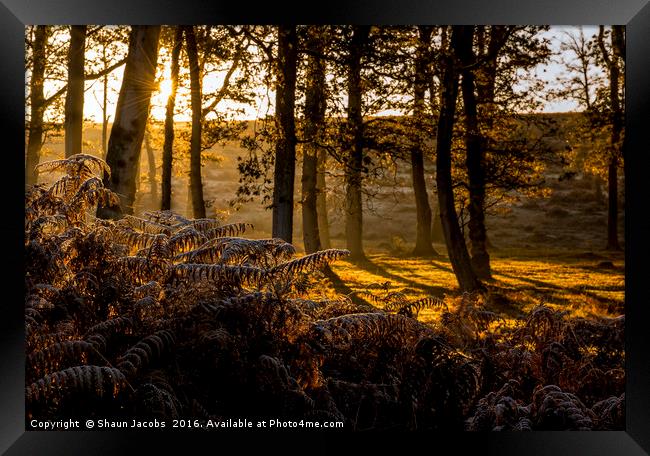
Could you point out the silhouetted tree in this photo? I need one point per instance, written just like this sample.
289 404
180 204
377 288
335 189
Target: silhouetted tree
37 104
354 159
196 183
47 60
475 158
315 105
285 149
613 59
74 98
151 161
423 246
168 144
127 133
321 200
456 248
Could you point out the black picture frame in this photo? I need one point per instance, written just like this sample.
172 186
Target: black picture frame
635 14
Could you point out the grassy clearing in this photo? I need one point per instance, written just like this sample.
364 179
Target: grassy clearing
565 282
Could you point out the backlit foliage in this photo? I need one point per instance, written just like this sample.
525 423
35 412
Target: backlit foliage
162 316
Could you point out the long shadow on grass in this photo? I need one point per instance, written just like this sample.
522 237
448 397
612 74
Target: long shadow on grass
342 288
541 285
374 268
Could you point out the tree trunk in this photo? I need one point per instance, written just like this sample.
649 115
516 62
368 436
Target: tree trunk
475 160
37 108
105 108
436 227
167 158
612 210
354 165
196 184
74 98
456 248
612 62
151 161
131 115
285 148
321 201
423 246
598 189
315 104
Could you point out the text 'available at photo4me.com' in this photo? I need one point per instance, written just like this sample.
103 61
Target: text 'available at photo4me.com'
209 424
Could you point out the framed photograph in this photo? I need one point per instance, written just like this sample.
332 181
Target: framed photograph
416 222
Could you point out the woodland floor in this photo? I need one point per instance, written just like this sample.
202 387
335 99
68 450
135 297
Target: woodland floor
200 344
543 249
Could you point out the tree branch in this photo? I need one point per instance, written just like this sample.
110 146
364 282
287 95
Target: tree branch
89 77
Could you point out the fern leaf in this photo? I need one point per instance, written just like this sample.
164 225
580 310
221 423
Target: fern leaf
82 165
51 357
220 274
145 351
145 226
96 380
143 269
185 240
410 308
233 229
167 217
310 262
202 225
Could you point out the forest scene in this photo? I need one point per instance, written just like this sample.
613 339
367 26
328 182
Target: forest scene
365 227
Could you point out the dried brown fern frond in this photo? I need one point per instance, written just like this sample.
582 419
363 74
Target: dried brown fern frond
610 413
85 283
152 289
145 226
543 324
91 193
118 325
214 308
154 401
208 254
158 248
135 239
236 250
254 251
218 338
98 342
46 226
33 192
233 229
341 305
309 263
46 290
143 269
501 411
66 187
53 356
146 351
413 308
220 274
185 240
81 165
556 410
368 328
44 205
202 225
166 217
98 381
371 297
148 309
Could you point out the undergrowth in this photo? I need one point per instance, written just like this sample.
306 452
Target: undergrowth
168 317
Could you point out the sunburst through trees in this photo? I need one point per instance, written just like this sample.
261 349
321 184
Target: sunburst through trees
196 301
